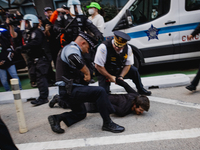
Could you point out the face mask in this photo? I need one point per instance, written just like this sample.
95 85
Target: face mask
91 11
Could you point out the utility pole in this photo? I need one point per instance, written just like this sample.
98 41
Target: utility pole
9 4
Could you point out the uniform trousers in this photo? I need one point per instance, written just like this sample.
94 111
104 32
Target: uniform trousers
41 68
132 74
81 94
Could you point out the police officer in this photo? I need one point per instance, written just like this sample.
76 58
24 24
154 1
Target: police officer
70 64
38 63
80 22
114 58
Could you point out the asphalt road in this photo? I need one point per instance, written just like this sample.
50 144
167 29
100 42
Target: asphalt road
172 123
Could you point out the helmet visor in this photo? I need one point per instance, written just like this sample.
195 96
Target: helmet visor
26 24
76 10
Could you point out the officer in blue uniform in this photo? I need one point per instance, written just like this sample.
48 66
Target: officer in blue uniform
71 66
38 62
114 59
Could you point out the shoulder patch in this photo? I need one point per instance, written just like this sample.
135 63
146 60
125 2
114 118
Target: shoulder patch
102 50
72 46
58 18
33 35
65 16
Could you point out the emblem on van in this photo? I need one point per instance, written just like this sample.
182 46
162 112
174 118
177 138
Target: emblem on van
152 33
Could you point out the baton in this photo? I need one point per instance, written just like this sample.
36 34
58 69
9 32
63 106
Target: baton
67 26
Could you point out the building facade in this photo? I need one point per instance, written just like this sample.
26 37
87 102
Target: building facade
36 6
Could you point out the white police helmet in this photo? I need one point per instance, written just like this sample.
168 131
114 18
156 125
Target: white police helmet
32 21
75 7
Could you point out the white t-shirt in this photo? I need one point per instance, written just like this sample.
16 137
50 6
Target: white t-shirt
101 54
98 21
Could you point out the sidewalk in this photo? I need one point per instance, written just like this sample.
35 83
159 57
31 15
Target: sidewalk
163 81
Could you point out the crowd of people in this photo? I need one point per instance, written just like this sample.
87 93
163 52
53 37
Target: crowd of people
76 46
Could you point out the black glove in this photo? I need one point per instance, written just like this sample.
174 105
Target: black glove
100 37
18 49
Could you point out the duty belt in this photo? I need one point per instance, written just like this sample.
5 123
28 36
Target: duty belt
68 84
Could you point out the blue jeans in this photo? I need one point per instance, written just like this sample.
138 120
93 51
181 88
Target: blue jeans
3 76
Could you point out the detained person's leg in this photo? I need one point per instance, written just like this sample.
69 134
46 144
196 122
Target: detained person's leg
135 76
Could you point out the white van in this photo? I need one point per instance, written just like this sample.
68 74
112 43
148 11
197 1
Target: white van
159 29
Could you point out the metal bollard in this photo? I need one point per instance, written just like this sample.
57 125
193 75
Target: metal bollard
18 105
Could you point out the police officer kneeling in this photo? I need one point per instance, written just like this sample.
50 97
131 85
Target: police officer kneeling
70 64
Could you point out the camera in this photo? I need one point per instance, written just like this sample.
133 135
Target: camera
14 19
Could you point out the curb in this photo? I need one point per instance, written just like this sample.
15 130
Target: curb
163 81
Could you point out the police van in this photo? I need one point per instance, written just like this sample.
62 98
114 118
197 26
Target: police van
159 30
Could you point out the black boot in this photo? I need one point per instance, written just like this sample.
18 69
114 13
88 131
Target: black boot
144 92
112 127
53 101
39 102
191 87
55 124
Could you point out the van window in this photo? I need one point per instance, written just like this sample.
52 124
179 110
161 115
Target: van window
144 11
191 5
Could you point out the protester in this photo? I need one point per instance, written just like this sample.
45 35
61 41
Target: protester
70 64
131 102
6 59
96 18
114 58
17 37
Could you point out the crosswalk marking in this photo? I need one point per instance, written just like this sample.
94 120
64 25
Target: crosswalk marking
110 140
174 102
119 138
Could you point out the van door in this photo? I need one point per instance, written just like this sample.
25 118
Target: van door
154 29
189 20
